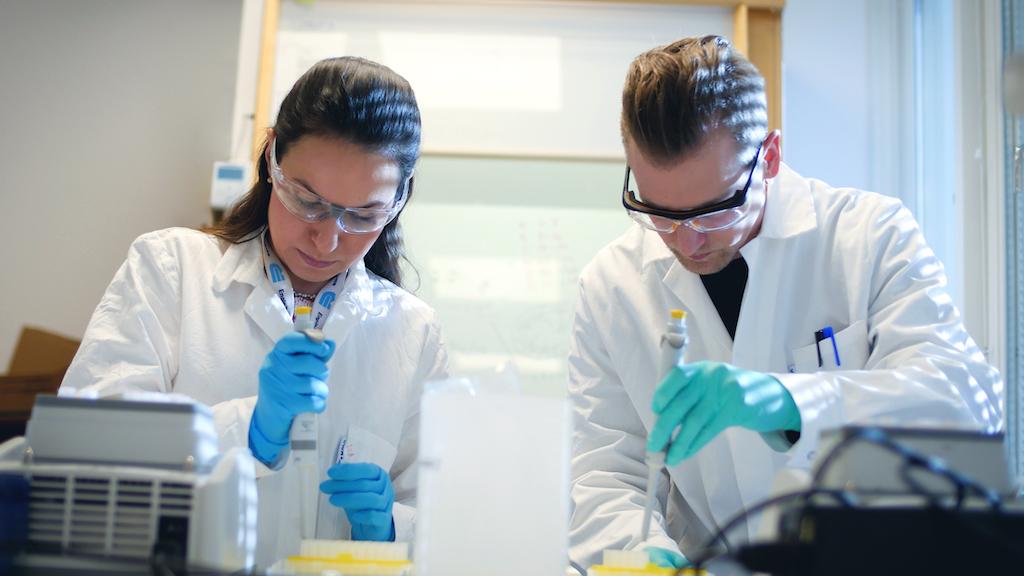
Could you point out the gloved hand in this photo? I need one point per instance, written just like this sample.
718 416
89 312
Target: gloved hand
364 491
666 558
704 398
293 380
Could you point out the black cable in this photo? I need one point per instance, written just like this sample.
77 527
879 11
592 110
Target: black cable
159 566
936 466
873 435
859 434
708 550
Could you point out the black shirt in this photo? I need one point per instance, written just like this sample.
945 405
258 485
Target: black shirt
726 288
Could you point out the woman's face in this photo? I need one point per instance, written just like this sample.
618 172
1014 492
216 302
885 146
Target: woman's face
343 174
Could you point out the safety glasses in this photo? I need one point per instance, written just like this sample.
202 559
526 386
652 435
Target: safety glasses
309 206
717 216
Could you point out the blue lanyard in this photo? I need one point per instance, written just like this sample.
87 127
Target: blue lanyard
274 270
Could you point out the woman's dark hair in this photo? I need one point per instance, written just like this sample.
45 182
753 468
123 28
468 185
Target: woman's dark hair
360 101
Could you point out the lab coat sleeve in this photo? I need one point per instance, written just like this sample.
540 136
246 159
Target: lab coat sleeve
922 367
433 365
231 419
608 472
131 341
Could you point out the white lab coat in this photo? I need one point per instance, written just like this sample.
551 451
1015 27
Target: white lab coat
190 314
844 258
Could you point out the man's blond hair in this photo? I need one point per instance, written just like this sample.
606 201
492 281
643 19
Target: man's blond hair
676 94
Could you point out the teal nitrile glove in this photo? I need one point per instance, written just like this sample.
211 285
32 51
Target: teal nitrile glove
666 558
364 491
293 380
704 398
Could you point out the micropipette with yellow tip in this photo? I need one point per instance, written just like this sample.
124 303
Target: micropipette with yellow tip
673 350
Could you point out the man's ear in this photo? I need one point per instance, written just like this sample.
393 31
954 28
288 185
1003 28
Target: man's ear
772 147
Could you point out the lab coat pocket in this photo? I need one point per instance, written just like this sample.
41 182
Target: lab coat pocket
851 345
357 445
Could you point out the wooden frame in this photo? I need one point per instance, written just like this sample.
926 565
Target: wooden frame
757 32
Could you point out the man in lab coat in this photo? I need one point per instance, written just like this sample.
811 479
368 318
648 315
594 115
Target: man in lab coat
767 264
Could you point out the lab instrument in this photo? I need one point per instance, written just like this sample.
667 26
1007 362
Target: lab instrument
117 483
303 439
673 351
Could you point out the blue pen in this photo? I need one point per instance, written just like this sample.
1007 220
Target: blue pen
819 335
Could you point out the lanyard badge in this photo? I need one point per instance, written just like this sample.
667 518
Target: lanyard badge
279 280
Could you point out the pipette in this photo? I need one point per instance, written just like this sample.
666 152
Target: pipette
303 440
673 350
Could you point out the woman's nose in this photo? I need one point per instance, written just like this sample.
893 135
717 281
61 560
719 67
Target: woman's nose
325 235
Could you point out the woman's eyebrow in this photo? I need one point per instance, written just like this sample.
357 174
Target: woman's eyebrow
307 186
372 205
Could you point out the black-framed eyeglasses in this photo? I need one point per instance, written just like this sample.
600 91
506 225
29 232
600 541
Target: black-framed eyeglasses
717 216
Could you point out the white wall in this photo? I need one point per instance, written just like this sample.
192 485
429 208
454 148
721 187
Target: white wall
870 102
825 97
112 113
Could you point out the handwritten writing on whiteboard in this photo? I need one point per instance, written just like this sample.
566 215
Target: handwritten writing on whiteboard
503 280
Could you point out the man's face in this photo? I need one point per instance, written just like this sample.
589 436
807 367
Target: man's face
712 173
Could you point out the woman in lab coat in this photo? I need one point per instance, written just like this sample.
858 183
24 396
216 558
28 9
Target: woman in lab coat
209 314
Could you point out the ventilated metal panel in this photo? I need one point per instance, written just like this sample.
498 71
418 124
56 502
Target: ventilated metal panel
103 516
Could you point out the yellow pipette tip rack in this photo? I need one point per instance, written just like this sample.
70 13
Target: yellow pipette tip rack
348 558
649 570
348 565
678 314
635 563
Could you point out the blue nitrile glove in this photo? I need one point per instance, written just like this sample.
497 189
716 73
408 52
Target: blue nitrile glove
666 558
293 380
704 398
364 491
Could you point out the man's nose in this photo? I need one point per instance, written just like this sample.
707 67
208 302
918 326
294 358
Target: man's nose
688 241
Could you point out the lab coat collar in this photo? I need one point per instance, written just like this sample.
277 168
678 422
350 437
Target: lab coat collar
240 263
243 264
789 209
355 302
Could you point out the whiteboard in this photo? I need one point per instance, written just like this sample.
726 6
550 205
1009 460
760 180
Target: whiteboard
518 79
504 281
499 242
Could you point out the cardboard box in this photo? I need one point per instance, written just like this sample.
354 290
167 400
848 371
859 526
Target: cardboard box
37 367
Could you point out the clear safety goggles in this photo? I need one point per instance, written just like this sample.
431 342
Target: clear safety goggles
717 216
309 206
